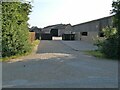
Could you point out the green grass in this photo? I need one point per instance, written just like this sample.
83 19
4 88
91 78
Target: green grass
98 54
95 53
36 42
14 57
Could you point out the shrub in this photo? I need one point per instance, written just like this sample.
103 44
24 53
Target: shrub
109 45
15 33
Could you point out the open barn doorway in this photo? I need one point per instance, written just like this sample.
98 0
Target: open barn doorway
55 35
54 32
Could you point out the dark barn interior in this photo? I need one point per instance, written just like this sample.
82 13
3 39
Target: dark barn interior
54 32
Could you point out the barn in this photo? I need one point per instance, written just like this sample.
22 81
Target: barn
89 31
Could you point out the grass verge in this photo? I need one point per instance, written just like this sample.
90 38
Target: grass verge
34 44
98 54
95 53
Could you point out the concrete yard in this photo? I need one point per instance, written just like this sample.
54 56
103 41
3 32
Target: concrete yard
60 64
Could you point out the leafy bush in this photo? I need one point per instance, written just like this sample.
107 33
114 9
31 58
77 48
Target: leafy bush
109 45
15 33
109 31
95 53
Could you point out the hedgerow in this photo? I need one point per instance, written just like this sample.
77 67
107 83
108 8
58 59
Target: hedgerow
15 33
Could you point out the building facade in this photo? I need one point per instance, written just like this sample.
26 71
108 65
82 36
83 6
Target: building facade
89 31
58 30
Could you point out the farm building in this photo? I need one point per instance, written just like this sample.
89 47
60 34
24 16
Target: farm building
57 30
88 31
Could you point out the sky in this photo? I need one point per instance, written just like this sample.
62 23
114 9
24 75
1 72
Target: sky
51 12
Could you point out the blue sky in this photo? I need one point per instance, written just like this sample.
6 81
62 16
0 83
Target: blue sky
50 12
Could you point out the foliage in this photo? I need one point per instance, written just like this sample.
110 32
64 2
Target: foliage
34 44
99 43
109 31
116 11
110 47
15 33
95 53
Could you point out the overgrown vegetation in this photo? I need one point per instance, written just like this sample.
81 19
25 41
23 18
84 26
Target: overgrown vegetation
15 33
36 42
95 53
110 47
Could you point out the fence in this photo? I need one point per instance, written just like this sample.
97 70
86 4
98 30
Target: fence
31 36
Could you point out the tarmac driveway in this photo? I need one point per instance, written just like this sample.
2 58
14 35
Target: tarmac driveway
61 64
